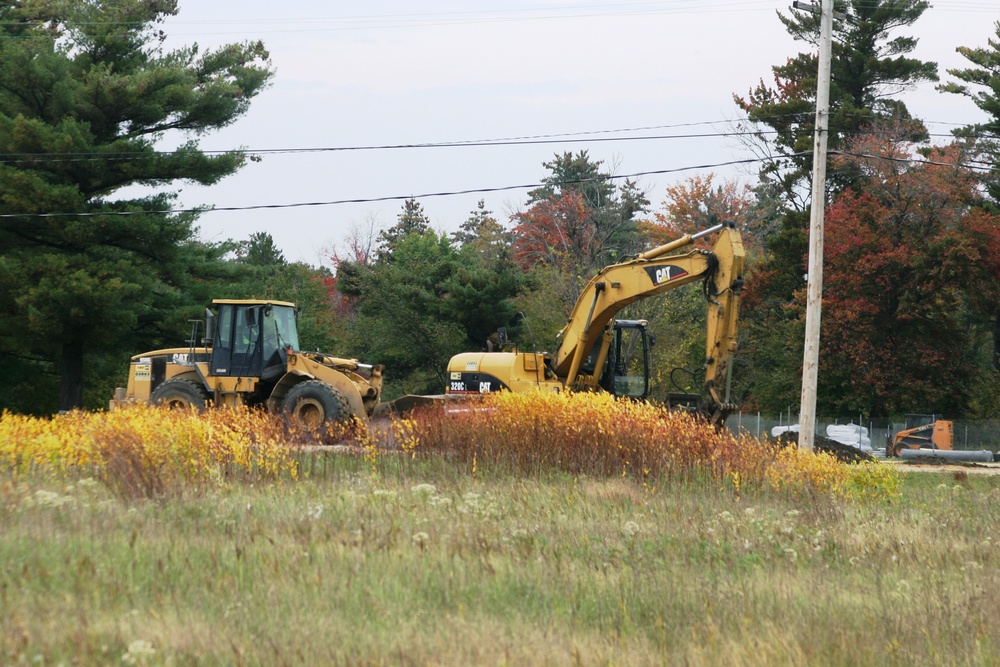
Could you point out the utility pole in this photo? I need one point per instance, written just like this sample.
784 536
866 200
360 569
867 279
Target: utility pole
814 293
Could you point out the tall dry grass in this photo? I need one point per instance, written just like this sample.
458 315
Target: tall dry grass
598 435
147 452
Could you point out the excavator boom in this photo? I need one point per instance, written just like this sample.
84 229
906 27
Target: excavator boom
651 273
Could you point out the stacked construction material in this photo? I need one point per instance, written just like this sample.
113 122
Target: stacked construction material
850 434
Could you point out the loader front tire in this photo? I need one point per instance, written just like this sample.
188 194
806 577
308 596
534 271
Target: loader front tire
180 394
314 404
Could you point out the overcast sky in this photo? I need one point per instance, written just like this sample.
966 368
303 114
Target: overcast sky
387 73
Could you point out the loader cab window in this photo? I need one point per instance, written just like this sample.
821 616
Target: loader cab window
279 334
280 331
236 351
245 330
626 372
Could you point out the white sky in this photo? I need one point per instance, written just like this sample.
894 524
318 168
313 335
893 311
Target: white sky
386 72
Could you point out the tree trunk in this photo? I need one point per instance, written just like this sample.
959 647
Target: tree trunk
71 375
996 341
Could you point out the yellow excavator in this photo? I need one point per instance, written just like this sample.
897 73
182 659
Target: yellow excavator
250 355
597 352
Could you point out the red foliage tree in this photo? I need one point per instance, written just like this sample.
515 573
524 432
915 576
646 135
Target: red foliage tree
697 203
910 277
557 231
356 255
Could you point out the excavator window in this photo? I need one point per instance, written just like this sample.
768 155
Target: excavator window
626 372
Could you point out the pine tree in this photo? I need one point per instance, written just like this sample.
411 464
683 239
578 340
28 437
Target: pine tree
981 83
87 91
868 71
412 220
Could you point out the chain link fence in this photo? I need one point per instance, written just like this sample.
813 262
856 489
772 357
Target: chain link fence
972 435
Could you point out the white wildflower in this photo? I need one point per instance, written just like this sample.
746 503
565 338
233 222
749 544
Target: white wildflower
48 499
138 652
631 528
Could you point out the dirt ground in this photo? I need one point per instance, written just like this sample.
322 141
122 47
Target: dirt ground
851 454
945 467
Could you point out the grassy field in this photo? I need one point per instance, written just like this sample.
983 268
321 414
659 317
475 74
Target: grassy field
530 530
415 561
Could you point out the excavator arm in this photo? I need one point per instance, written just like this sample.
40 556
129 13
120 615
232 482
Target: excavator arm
654 272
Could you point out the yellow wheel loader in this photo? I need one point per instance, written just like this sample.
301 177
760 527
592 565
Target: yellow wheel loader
250 356
597 352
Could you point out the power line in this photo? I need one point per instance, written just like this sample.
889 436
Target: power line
525 140
374 200
10 158
972 165
536 139
432 19
420 20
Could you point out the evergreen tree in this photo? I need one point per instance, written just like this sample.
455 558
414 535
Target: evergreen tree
86 92
260 250
425 298
483 233
868 70
981 83
425 303
412 220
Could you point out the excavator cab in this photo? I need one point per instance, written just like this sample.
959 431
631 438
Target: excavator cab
627 365
627 371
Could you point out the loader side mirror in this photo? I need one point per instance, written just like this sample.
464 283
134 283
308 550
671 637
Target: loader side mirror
501 337
209 327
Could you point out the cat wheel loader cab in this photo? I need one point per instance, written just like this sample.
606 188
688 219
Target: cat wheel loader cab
597 352
250 356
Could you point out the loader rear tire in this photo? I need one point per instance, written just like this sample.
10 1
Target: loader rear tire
314 404
180 394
